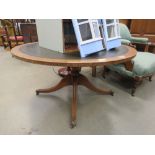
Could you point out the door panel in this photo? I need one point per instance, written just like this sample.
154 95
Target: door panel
111 33
88 36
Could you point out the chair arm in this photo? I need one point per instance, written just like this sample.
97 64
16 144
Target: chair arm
139 40
125 42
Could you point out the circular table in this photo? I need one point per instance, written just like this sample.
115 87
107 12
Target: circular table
31 52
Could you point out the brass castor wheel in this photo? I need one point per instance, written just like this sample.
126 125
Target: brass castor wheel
112 93
73 124
37 92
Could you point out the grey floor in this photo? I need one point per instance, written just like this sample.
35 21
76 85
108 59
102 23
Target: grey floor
22 112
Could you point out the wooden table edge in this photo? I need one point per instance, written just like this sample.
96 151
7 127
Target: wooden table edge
16 52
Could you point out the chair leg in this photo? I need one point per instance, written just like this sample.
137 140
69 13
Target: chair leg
105 70
146 49
133 90
150 78
136 82
94 71
3 42
9 43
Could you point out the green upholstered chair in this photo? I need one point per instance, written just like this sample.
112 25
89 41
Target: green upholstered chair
127 39
143 63
144 66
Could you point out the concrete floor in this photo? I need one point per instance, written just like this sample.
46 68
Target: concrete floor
22 112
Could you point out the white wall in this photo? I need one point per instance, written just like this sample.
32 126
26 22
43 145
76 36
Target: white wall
50 34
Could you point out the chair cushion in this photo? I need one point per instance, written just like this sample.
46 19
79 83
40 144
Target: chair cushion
19 38
144 64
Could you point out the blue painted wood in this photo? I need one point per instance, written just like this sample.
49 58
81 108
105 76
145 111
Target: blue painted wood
113 42
95 46
90 48
87 48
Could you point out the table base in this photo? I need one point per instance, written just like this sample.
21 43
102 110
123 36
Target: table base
74 78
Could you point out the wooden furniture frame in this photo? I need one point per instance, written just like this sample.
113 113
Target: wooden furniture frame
7 40
33 53
16 37
129 66
29 32
136 81
142 28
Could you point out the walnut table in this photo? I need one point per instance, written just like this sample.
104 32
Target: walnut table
31 52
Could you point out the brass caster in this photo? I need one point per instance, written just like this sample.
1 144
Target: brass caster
73 124
37 92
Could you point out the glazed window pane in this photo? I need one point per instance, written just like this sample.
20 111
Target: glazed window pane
96 30
109 21
111 31
81 20
85 32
